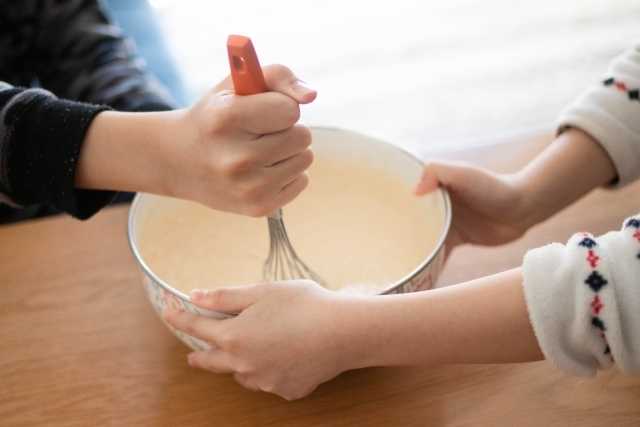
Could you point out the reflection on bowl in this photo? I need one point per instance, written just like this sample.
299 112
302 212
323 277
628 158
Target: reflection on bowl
360 191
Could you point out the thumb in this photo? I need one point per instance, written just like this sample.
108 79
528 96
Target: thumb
440 172
225 300
281 79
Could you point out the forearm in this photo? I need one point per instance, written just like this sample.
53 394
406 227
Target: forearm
481 321
128 152
572 166
226 152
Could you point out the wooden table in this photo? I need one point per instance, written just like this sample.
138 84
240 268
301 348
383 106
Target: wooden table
81 346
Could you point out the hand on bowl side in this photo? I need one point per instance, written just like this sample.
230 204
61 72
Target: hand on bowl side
285 340
242 154
491 209
487 208
289 337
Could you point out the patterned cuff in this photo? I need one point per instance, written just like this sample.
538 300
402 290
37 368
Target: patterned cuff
566 291
583 300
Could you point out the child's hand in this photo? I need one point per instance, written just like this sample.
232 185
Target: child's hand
488 208
244 154
285 340
289 337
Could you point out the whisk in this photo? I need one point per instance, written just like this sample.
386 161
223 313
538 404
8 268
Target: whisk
282 262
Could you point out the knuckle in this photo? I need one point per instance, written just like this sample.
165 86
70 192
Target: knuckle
293 111
209 365
244 382
234 167
305 136
244 369
252 196
291 395
228 341
304 181
268 387
302 392
279 72
168 317
296 187
306 158
191 328
288 109
298 136
258 198
259 210
218 297
221 119
253 212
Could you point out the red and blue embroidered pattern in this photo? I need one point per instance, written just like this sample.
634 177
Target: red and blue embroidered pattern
634 223
633 94
596 282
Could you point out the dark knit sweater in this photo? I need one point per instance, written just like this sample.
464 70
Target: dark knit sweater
87 65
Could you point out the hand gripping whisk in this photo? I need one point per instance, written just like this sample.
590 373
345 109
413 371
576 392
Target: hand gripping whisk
282 262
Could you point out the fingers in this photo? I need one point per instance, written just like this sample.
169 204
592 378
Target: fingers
215 360
250 155
431 178
204 328
293 167
289 169
292 190
278 146
289 156
268 112
281 79
255 114
448 174
246 382
226 300
271 171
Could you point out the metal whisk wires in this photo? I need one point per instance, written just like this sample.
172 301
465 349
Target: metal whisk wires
282 262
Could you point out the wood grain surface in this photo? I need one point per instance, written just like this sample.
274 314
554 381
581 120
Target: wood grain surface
80 344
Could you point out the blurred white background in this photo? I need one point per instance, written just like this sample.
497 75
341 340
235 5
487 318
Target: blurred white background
427 75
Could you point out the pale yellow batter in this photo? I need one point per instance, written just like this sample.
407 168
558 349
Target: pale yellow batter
357 226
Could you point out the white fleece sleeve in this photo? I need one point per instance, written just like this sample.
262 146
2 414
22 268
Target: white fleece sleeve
610 113
584 300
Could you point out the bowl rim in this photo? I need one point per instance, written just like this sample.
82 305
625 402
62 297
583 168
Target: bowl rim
388 290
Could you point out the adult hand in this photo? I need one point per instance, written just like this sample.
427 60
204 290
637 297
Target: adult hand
286 338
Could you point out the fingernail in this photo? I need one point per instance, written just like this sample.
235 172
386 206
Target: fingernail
199 294
301 88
